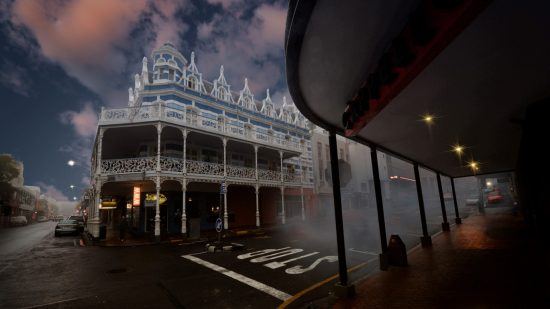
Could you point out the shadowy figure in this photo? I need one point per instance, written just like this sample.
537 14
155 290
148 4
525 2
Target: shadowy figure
122 228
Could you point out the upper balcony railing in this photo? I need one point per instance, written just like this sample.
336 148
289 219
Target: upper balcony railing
190 118
170 164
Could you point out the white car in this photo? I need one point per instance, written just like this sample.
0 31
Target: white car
18 220
472 201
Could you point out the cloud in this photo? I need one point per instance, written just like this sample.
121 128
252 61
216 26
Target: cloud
84 122
15 78
52 192
248 47
92 39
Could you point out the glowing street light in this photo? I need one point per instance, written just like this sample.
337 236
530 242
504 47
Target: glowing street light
458 149
70 163
474 166
428 118
74 198
71 186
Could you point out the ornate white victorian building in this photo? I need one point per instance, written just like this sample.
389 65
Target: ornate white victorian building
180 137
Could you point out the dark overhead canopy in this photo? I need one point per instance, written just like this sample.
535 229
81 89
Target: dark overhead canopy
477 86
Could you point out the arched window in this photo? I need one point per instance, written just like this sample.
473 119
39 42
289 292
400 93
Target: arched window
191 83
221 93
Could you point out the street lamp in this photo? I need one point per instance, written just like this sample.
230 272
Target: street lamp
72 186
428 118
70 163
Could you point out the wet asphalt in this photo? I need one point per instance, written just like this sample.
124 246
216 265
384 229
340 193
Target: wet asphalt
40 270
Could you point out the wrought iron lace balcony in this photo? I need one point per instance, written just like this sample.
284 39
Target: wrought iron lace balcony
189 118
170 164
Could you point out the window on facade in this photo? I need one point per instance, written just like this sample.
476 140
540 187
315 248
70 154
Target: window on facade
171 74
174 147
341 153
320 158
327 153
209 155
221 93
191 83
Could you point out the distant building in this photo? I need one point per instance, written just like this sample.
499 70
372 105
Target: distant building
359 190
161 160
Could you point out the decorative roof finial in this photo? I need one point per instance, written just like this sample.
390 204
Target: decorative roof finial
192 57
221 70
246 82
284 100
268 97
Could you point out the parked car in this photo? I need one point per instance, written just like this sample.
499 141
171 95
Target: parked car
494 198
66 227
41 219
57 218
472 201
79 220
18 220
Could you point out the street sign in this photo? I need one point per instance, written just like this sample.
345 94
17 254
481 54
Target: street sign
223 188
219 225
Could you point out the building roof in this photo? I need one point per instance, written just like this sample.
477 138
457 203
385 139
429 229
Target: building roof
476 86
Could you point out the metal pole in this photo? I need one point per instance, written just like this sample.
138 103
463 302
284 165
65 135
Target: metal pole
379 208
342 268
425 239
445 224
458 220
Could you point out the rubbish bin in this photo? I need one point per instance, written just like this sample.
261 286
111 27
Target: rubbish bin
397 252
102 232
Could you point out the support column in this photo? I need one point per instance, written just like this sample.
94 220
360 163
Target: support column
159 132
302 187
384 262
225 215
343 288
256 161
224 140
184 155
95 220
257 206
283 215
445 224
426 239
157 209
458 220
184 207
303 208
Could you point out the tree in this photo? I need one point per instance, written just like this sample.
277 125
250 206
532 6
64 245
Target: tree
8 168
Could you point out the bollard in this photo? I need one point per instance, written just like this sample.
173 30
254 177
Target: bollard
397 252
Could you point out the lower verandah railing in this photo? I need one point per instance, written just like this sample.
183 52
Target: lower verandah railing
170 164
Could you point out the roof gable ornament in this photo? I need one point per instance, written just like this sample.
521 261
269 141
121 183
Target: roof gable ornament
267 105
246 98
194 78
221 89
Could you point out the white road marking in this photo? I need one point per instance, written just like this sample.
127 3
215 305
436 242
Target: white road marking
296 270
261 252
248 281
276 255
275 265
364 252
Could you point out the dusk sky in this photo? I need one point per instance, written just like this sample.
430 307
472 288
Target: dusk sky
62 60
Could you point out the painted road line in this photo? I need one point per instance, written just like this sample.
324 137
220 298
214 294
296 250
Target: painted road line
364 252
248 281
275 265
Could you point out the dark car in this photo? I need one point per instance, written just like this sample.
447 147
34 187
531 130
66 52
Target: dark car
66 227
79 220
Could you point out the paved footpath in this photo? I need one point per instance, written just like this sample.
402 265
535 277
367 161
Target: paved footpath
490 261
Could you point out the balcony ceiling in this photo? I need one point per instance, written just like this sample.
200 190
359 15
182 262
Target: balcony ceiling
477 87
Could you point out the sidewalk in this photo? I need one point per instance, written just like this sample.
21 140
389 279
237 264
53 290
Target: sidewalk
146 239
490 261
